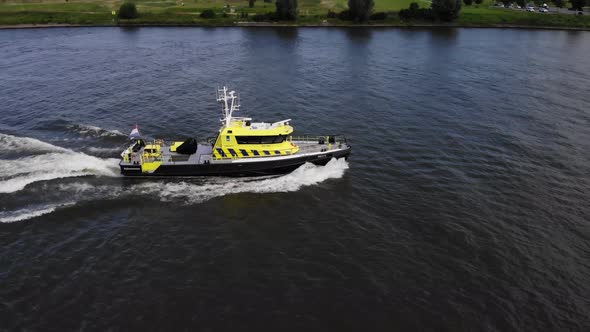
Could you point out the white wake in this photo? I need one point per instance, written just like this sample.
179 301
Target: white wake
306 175
104 150
9 143
46 162
25 214
203 189
94 131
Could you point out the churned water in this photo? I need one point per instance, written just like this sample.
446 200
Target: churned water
464 205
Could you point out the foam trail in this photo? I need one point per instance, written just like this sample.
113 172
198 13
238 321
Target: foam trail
189 193
207 188
16 174
25 214
9 143
88 130
104 150
306 175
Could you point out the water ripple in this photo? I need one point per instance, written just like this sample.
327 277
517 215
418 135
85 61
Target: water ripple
463 206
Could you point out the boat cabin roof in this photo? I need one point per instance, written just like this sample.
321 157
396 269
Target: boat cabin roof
243 126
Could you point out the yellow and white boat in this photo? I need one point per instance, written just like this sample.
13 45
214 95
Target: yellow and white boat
242 148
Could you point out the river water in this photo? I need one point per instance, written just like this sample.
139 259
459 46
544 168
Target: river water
464 205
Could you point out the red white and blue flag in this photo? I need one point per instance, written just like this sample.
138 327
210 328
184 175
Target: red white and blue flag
134 133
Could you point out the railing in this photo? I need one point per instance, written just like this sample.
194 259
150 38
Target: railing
338 139
160 156
162 141
151 159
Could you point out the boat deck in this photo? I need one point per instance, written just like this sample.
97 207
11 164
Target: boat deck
314 147
203 155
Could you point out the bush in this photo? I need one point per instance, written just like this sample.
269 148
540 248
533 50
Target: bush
360 10
446 10
416 13
208 13
286 10
332 14
468 2
259 18
479 2
345 15
128 11
577 4
263 17
379 16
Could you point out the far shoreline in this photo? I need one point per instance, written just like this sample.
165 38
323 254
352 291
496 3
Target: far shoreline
286 25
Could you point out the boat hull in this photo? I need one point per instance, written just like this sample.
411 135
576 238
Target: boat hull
236 168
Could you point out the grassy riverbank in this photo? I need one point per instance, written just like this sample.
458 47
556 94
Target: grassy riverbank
312 13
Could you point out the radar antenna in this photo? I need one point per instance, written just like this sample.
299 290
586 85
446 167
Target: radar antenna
230 104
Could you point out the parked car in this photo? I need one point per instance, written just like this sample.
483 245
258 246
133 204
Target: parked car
543 10
530 9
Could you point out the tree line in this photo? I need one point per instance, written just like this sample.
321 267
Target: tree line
575 4
362 10
442 10
358 10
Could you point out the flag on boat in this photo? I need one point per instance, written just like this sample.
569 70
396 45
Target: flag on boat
134 133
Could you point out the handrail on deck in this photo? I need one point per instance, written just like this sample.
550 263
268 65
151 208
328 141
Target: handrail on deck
337 138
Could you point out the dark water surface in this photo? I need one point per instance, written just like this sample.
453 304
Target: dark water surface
464 206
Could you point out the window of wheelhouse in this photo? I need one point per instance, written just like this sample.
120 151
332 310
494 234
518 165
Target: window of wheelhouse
260 139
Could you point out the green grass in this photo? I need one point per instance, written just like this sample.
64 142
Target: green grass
54 7
80 13
312 12
35 17
396 5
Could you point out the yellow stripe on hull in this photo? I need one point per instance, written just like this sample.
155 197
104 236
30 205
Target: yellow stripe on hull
231 153
150 167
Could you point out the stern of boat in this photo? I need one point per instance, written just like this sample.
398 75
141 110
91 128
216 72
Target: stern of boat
335 146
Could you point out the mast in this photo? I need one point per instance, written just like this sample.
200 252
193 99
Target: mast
230 104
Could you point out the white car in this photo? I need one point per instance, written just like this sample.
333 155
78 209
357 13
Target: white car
530 9
543 10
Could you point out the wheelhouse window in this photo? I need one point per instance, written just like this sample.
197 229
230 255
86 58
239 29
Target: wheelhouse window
260 139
